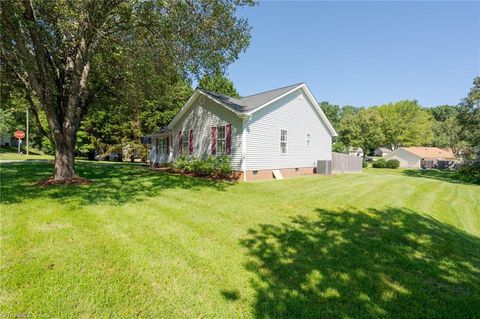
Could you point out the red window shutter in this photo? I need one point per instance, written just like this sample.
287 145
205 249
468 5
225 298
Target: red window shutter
214 140
180 142
190 143
228 139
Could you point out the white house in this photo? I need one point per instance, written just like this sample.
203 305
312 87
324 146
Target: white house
8 141
355 151
282 129
423 157
381 151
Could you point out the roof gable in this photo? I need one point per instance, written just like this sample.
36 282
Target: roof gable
383 149
430 152
247 105
252 102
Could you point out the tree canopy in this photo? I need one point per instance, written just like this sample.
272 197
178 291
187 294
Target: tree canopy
405 123
362 129
67 55
218 83
469 116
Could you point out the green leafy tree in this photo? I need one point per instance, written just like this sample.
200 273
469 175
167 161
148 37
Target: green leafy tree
218 83
469 118
447 135
7 121
443 112
13 111
446 129
65 52
119 120
362 129
349 110
405 123
333 113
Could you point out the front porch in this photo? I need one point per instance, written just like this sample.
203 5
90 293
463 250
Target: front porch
161 151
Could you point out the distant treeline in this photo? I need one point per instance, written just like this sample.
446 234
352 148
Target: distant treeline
407 123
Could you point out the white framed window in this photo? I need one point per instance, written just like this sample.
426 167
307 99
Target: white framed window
283 141
221 139
162 145
185 143
307 140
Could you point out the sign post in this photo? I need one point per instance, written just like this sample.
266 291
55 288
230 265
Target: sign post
19 135
26 144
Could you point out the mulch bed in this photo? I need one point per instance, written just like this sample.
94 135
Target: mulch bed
169 170
74 181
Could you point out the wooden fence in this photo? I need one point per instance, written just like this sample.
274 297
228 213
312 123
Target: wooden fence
344 163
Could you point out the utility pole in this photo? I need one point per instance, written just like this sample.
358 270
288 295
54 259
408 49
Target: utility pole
26 145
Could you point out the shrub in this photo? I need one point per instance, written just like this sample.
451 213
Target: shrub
222 166
381 163
392 163
470 172
182 164
211 166
364 164
204 167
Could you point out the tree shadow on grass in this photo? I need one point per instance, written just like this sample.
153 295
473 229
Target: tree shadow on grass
390 263
112 183
445 175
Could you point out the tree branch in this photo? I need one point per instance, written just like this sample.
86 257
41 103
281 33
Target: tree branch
33 108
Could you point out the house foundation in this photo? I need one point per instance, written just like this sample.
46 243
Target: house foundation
258 175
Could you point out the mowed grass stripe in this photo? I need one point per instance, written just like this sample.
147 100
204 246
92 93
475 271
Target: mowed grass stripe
137 243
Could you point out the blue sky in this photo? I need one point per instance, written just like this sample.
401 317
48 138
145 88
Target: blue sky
363 53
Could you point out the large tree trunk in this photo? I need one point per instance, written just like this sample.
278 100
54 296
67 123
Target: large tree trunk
64 159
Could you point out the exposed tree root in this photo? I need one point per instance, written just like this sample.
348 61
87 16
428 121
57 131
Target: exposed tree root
72 181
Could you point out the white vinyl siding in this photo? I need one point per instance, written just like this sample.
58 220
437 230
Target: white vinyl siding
201 117
307 140
295 114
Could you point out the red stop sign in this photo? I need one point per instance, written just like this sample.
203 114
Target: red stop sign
19 134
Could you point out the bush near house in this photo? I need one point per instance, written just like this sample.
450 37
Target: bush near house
470 172
212 166
381 163
393 163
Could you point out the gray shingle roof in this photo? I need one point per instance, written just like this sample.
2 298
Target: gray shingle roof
249 103
384 149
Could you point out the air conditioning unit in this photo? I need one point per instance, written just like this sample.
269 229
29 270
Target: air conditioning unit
324 167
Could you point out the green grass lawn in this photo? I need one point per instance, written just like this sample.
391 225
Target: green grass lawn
137 243
10 153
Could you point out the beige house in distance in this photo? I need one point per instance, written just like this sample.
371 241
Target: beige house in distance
422 157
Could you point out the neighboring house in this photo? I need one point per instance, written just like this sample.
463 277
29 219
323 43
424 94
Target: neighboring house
381 151
8 141
355 151
423 157
282 129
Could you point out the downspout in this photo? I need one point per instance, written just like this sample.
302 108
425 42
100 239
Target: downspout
244 146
